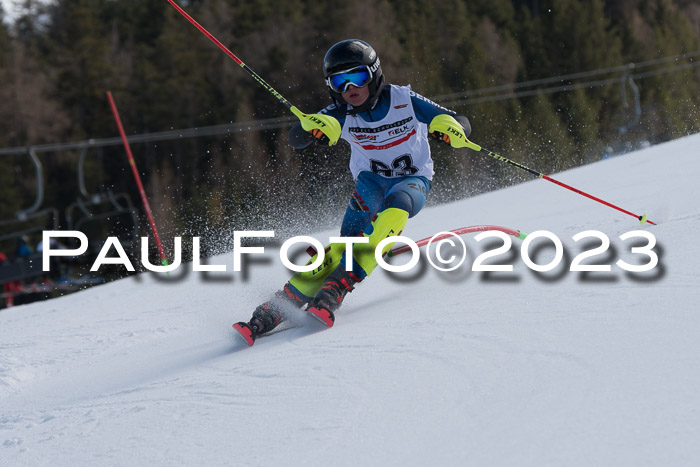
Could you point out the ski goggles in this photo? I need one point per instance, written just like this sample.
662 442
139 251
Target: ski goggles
359 76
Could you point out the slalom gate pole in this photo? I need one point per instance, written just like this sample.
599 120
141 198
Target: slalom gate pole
329 125
464 230
135 171
642 219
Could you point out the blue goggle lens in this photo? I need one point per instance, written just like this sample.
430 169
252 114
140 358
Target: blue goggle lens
357 77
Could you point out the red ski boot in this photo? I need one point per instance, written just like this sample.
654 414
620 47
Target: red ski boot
331 295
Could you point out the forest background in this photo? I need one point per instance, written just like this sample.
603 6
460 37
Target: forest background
487 59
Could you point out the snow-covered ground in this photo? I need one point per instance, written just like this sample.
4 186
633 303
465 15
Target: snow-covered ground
421 368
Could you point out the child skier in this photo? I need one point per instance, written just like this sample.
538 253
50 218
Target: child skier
387 128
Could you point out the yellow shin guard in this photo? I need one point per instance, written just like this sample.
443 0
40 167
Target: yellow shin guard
388 223
310 282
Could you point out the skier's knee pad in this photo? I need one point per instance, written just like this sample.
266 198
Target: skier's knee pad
401 200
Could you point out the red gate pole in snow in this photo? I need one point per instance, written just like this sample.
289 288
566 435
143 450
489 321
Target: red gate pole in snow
135 171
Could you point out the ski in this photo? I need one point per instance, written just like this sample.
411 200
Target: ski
323 315
246 332
326 317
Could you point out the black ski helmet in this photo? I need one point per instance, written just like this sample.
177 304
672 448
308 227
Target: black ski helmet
352 53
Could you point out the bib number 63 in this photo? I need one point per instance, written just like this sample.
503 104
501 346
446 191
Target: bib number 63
402 166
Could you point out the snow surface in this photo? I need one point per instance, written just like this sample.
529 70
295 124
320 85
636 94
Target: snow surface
421 368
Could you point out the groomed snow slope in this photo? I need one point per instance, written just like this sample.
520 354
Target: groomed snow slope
421 368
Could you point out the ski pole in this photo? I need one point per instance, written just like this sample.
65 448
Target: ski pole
642 219
329 125
135 171
446 124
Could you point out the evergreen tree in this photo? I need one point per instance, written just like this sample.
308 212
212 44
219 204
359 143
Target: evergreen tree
76 46
57 62
5 55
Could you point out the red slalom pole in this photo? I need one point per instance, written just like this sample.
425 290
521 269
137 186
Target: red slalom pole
135 171
461 231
